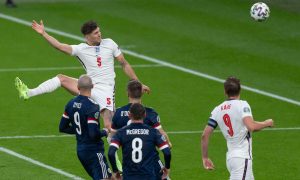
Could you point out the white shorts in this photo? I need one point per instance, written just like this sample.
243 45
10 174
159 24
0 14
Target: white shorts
104 95
240 169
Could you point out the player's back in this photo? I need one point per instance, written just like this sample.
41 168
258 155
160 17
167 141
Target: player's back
229 116
121 117
138 143
80 110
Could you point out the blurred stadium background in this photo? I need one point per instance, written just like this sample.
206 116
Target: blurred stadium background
169 43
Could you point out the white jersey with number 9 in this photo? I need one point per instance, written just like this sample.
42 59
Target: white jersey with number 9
229 116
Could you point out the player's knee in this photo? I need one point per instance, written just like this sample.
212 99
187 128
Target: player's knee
62 78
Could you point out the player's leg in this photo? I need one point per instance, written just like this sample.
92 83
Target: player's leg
104 96
48 86
84 160
69 83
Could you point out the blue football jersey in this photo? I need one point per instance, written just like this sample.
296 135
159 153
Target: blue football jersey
121 118
79 112
139 143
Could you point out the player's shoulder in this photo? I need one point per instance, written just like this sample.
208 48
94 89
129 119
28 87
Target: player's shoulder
82 45
71 102
241 103
150 110
123 108
91 104
107 41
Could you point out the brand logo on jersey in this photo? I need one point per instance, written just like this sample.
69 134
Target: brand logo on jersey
246 109
96 115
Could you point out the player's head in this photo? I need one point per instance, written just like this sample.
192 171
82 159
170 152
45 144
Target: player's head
232 86
137 112
91 32
134 89
85 84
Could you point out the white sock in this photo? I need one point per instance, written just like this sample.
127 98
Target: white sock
46 87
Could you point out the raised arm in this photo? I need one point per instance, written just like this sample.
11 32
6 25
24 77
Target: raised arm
255 125
207 163
40 29
130 72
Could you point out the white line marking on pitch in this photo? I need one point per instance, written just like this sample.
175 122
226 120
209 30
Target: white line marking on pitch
59 171
158 61
169 132
71 68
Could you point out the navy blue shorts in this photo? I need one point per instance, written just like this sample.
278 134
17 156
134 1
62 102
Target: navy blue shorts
95 164
157 169
139 177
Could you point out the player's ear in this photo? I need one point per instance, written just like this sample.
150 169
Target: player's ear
78 88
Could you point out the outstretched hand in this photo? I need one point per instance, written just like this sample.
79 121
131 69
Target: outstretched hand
145 89
39 28
208 164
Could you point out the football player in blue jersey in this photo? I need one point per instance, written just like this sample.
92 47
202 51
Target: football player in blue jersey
81 117
121 118
139 142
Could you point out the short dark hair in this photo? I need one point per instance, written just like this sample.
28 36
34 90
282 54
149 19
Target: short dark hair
137 111
232 86
134 89
88 27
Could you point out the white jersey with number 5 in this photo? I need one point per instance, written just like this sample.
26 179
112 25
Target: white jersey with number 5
98 61
229 116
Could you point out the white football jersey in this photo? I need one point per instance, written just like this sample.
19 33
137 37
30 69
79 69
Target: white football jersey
98 61
229 116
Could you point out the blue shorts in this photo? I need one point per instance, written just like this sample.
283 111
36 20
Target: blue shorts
95 164
157 168
138 177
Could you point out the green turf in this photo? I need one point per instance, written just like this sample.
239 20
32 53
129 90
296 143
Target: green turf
215 37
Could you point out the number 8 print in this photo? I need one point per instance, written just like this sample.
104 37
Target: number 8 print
137 153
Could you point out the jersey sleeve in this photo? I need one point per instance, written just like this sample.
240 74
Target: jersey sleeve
65 123
160 140
116 140
116 49
74 50
93 114
246 110
153 119
212 121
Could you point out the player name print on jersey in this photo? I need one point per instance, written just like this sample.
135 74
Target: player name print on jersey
225 107
124 113
137 131
77 105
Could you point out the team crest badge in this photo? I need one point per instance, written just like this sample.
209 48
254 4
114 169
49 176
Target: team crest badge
246 109
96 115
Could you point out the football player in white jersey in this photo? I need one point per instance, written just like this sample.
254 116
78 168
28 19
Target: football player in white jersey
234 117
97 58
